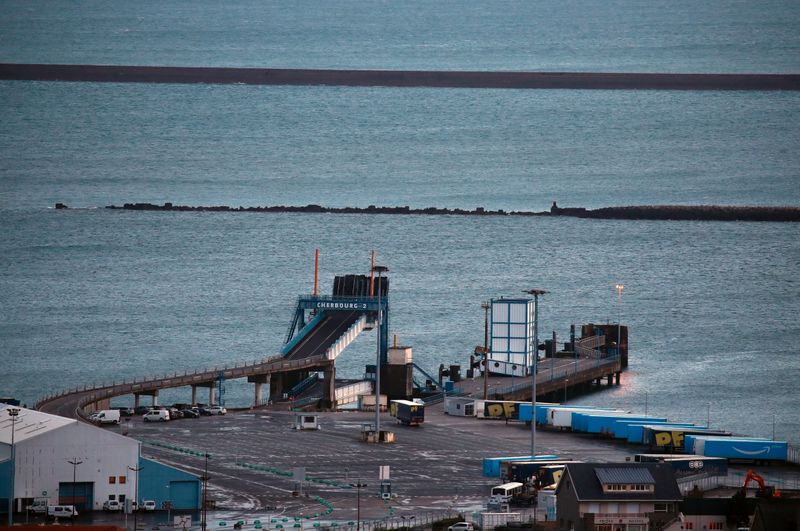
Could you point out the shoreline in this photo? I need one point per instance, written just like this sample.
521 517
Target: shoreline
400 78
641 212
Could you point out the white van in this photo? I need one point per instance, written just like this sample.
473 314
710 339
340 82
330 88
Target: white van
156 415
61 511
107 416
39 505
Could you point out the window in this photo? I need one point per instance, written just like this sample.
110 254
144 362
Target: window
122 480
112 497
112 480
660 507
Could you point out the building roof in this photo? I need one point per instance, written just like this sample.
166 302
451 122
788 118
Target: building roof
585 480
624 476
29 423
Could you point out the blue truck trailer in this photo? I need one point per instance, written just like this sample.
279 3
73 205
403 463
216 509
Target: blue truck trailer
407 412
492 465
738 449
688 465
542 469
603 424
636 431
674 439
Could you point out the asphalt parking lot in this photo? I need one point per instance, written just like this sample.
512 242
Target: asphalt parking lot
434 468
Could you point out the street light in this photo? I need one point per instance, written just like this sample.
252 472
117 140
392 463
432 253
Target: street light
566 382
74 462
358 486
535 293
205 479
485 306
169 506
13 412
619 287
136 470
380 270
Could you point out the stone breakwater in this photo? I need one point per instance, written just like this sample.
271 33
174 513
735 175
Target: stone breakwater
399 78
653 212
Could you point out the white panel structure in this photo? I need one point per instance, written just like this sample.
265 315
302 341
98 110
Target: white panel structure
512 347
45 444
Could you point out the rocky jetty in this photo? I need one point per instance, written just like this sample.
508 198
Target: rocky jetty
654 212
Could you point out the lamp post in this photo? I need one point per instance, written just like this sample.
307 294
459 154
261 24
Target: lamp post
380 270
358 486
13 412
485 306
535 293
205 490
566 382
135 470
619 287
409 518
169 506
74 462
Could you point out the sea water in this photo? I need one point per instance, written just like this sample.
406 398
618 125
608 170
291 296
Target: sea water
90 295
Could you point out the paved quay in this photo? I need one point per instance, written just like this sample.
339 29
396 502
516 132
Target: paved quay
434 468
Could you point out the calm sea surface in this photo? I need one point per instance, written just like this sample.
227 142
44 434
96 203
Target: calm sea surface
90 295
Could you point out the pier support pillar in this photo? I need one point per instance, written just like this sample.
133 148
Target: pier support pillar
194 395
259 380
211 395
257 399
329 387
136 400
155 398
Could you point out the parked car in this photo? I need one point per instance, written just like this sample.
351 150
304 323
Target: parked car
106 416
461 526
38 506
61 511
216 410
125 411
140 410
112 505
190 413
149 505
156 415
175 413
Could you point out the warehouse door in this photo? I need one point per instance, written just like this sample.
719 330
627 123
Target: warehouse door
80 494
185 494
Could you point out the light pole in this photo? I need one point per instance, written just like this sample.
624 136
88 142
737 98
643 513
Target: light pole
485 306
619 287
566 382
169 506
135 470
74 462
380 270
205 490
535 293
358 486
13 412
645 403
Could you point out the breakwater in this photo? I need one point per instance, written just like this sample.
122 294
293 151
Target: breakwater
399 78
648 212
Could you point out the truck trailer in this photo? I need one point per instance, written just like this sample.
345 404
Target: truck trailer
407 412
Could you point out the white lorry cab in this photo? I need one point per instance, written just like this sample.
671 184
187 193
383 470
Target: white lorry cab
106 416
61 511
505 493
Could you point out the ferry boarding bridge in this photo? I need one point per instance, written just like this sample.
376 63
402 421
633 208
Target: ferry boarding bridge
322 326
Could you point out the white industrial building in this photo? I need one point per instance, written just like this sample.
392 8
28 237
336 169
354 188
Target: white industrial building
64 461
